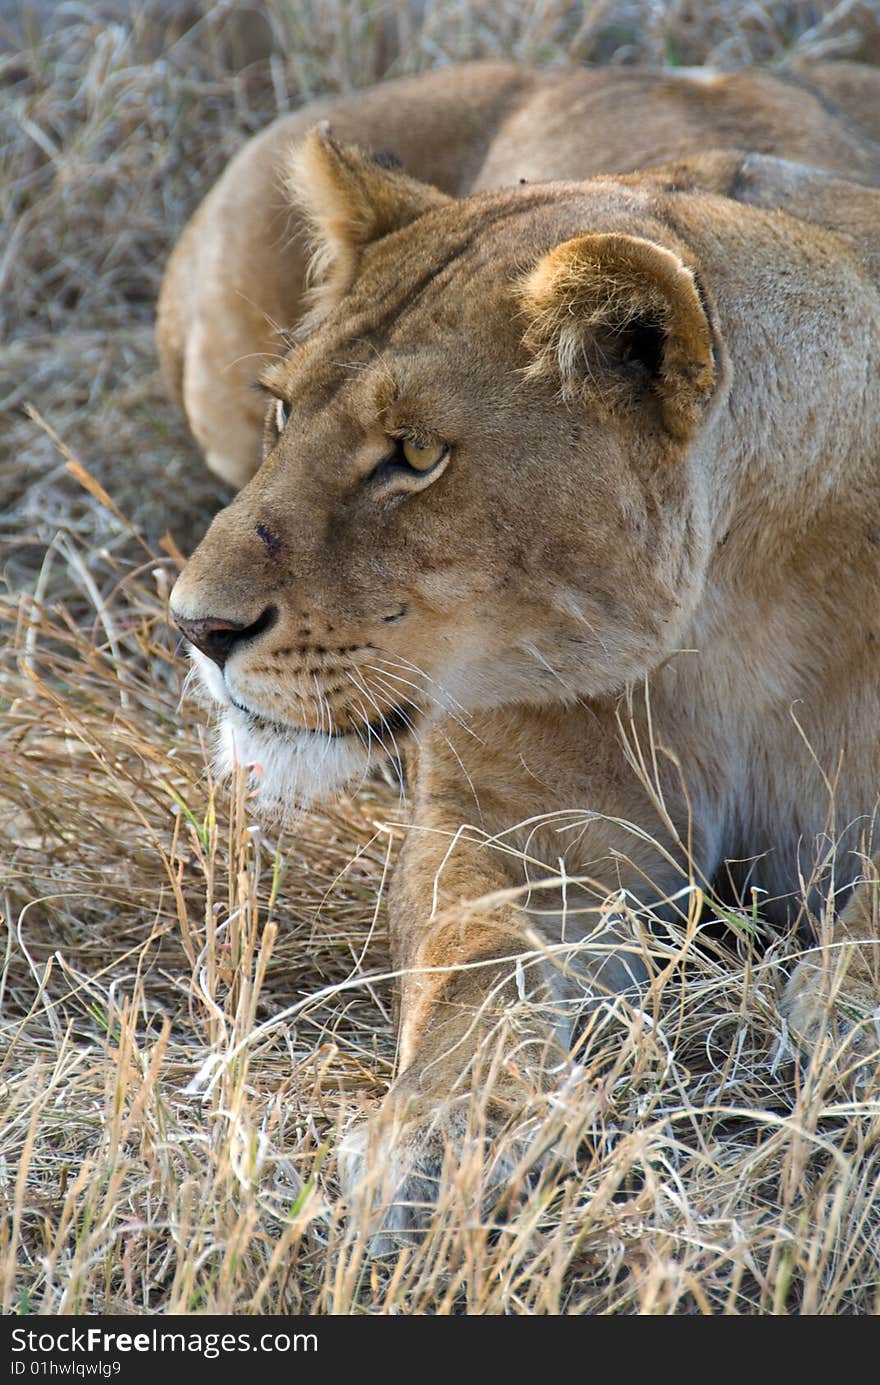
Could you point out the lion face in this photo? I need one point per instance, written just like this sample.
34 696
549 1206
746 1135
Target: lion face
481 480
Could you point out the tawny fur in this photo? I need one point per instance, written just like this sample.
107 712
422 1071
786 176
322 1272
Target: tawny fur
667 536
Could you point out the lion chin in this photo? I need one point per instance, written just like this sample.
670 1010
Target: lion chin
290 769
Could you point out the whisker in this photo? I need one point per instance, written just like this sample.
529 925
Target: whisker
330 727
320 702
390 691
452 748
371 701
396 676
436 702
399 661
461 763
470 781
536 654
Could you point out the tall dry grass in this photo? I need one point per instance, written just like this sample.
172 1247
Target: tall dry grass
194 1008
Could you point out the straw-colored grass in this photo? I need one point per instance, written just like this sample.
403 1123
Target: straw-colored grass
193 1007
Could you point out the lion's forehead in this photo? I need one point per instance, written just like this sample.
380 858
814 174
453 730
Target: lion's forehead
408 300
362 362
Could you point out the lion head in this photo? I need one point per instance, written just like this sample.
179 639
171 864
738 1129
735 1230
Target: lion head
484 479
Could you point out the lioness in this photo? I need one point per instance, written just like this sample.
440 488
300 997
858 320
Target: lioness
238 273
573 486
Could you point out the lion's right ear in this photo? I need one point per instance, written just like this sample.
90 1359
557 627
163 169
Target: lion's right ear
349 199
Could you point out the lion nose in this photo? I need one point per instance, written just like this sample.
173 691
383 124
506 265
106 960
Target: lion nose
217 638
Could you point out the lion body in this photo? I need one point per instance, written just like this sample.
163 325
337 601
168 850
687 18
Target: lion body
628 618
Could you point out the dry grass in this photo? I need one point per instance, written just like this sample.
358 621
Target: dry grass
192 1008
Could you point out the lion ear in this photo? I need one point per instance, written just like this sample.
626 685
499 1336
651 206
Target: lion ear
350 199
622 318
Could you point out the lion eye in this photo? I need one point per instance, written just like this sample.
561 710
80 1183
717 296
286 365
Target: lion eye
410 464
282 414
422 457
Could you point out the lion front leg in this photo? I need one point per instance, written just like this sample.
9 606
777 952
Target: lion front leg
483 1019
483 1044
487 1002
833 995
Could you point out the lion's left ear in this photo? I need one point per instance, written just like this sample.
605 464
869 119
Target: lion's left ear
620 317
350 199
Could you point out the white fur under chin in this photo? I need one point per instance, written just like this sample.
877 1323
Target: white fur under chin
289 769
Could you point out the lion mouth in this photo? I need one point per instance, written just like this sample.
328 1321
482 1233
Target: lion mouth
397 721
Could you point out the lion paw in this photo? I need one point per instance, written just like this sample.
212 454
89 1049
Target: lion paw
399 1177
838 1014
